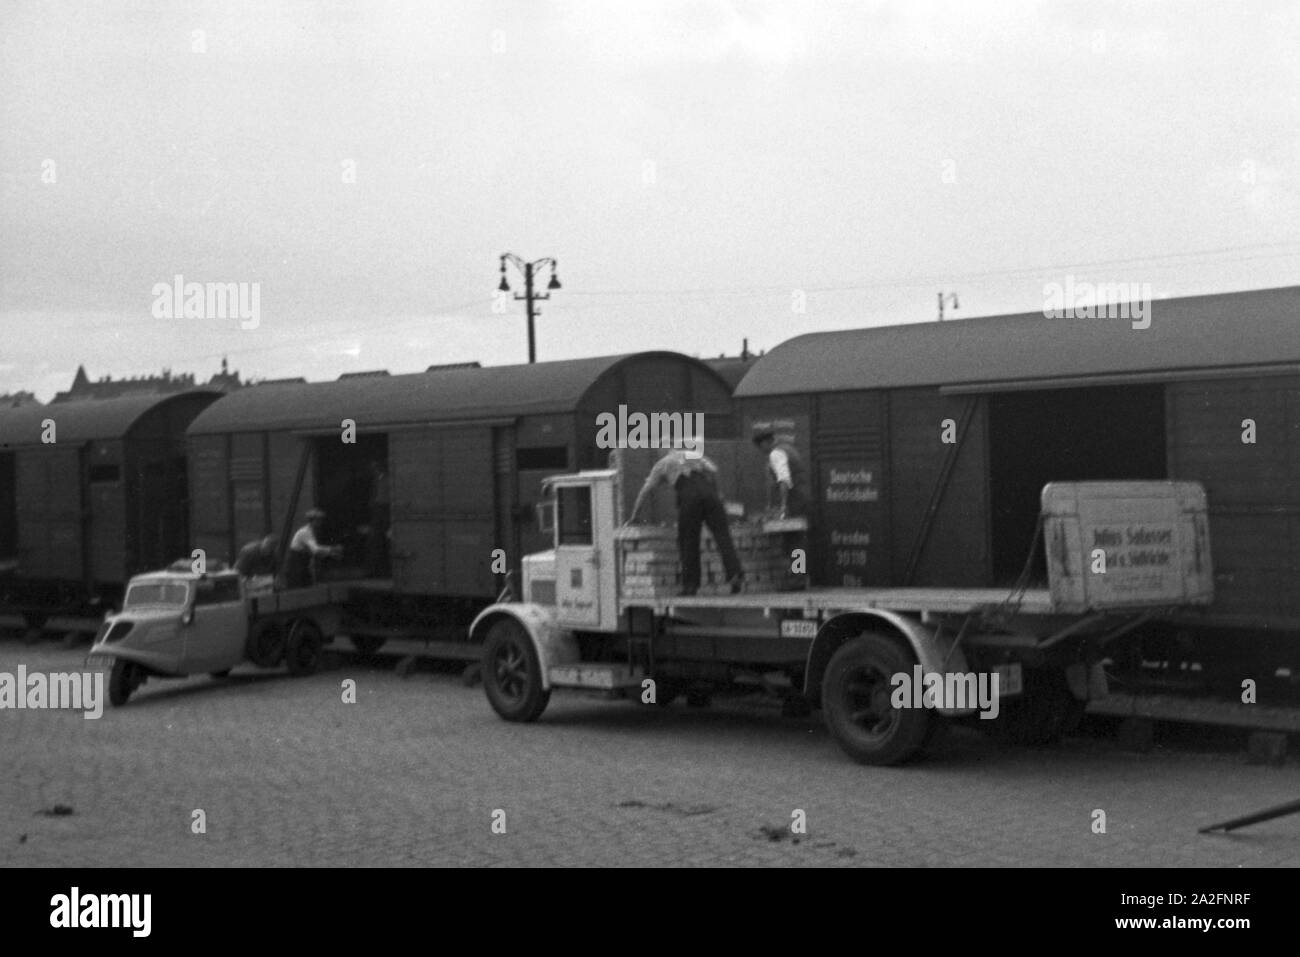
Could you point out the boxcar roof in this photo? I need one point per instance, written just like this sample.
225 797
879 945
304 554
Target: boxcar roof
85 420
731 368
1197 333
439 396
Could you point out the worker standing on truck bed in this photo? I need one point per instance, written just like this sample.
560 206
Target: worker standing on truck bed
786 467
698 504
304 548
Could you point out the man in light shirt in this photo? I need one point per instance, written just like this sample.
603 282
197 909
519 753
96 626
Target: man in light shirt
786 467
698 504
304 549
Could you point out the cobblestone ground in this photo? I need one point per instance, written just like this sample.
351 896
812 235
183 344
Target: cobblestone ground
287 774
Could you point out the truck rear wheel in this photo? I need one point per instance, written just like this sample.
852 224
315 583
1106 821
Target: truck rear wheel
302 651
1041 714
265 646
512 675
856 694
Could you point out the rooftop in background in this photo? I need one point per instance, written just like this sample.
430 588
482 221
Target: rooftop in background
732 368
1259 328
291 380
165 384
12 400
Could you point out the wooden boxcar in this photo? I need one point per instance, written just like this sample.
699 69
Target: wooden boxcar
464 449
106 499
929 444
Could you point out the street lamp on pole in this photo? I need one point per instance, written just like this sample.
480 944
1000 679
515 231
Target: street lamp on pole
529 270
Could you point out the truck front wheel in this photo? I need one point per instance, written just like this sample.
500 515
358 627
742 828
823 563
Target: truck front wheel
512 675
122 680
856 694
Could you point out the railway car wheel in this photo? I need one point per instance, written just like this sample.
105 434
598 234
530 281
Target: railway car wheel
265 646
367 644
302 651
666 692
122 680
856 694
512 675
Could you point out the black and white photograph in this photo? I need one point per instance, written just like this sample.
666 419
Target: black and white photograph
746 434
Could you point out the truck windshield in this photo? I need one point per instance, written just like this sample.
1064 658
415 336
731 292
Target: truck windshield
575 515
168 594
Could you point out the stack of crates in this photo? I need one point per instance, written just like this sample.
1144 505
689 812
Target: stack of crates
651 569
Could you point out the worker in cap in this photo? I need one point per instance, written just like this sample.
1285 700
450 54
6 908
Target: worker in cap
305 548
698 504
786 468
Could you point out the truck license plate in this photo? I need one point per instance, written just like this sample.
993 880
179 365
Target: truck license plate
796 628
1010 679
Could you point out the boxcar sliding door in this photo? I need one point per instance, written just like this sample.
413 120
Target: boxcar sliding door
443 522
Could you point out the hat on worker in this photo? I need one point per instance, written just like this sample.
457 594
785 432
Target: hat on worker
762 432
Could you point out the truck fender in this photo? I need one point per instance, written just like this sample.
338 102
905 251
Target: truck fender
554 645
931 653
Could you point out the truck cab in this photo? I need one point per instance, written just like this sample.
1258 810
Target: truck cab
578 576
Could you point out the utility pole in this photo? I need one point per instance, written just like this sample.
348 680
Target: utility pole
530 296
942 297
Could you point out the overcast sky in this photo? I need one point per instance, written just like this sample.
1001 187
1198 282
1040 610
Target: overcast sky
691 166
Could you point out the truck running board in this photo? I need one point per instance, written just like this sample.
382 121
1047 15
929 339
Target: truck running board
599 676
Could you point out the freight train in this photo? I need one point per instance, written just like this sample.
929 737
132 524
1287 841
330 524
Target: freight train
927 445
91 493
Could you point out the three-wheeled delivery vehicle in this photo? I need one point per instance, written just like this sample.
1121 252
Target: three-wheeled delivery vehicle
179 622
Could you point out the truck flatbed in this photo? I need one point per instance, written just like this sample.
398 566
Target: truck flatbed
1033 601
295 599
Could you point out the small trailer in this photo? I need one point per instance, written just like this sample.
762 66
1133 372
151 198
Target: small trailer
176 623
888 667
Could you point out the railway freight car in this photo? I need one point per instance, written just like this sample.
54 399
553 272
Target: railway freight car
928 446
450 461
91 493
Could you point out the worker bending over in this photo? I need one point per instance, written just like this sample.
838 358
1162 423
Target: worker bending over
257 558
698 504
304 549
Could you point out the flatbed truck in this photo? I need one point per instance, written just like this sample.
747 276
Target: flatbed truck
1118 555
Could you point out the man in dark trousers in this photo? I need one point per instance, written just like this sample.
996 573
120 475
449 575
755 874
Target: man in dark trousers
785 465
698 504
